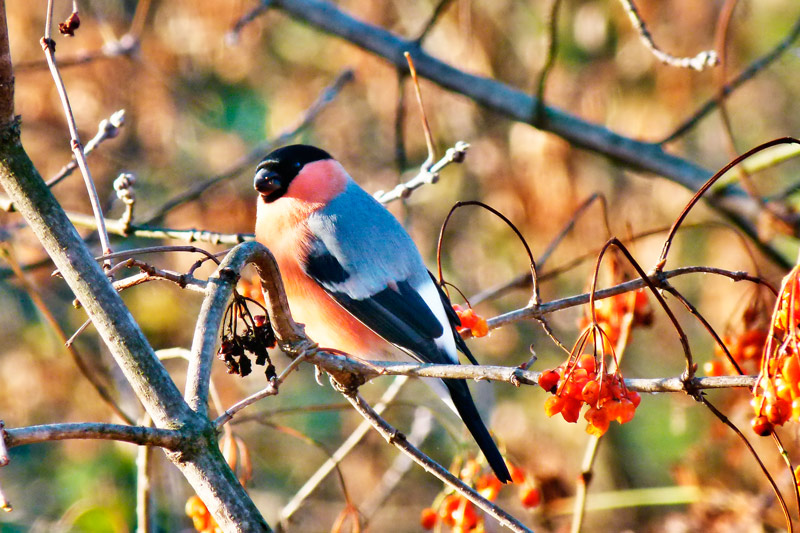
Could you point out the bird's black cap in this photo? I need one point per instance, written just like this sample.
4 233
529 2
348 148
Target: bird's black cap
276 171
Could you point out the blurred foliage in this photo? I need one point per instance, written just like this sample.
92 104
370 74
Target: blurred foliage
196 102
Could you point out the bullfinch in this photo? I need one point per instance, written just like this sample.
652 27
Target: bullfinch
353 275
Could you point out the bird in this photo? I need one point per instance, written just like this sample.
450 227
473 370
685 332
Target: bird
354 277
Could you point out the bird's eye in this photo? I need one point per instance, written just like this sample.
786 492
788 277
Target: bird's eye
297 165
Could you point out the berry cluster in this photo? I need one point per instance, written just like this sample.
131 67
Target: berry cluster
454 510
575 383
201 519
256 338
472 321
610 314
776 395
745 348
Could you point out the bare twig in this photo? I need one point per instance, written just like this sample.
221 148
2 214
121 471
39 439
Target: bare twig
169 439
107 129
552 50
702 190
456 154
145 512
754 68
125 46
269 390
77 357
232 37
399 440
343 451
420 429
725 420
49 47
703 60
440 8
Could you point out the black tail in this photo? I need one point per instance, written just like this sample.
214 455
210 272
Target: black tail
462 399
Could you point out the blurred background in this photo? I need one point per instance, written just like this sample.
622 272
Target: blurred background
198 98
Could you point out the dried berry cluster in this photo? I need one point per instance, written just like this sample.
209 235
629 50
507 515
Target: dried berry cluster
472 321
576 383
455 511
255 338
776 395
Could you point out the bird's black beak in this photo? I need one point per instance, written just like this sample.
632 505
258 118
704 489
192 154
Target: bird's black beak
266 182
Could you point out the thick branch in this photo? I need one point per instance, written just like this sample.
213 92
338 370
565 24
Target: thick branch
165 438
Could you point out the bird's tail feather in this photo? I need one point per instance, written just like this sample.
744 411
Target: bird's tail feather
462 399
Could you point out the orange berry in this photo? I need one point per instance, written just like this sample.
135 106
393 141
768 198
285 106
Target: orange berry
635 398
625 411
517 474
571 410
480 328
465 515
548 380
588 363
530 497
761 426
468 318
553 405
428 518
448 507
778 412
791 369
714 368
591 392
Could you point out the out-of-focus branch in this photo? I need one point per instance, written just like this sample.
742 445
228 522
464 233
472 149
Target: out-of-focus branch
343 451
754 68
125 46
6 72
517 105
399 441
165 438
703 60
255 155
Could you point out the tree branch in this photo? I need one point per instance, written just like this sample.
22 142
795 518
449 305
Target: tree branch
517 105
166 438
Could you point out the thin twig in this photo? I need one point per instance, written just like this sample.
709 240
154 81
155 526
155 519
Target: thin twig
77 357
500 98
399 440
509 374
725 420
125 46
107 129
421 427
269 390
48 45
456 154
145 511
703 60
552 51
440 8
338 456
754 68
232 37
